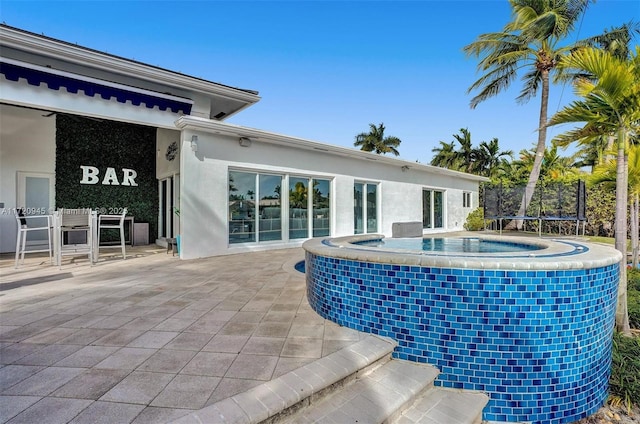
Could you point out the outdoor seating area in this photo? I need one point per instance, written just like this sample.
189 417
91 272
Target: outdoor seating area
71 232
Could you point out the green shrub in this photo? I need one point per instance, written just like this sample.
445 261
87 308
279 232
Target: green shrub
633 279
633 306
475 220
633 297
624 384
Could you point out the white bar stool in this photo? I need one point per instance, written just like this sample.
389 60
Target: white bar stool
113 222
26 224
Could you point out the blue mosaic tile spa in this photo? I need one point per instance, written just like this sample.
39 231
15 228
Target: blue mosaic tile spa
531 329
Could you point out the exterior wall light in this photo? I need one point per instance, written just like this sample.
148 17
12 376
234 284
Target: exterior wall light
245 141
194 143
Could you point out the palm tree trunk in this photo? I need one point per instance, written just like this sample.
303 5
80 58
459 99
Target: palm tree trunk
609 148
622 313
537 161
635 212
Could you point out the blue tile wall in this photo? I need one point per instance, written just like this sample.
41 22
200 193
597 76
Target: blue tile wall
538 342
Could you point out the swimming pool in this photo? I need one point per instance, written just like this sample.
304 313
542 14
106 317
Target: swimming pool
456 245
532 329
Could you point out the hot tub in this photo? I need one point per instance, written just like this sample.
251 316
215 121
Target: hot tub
531 328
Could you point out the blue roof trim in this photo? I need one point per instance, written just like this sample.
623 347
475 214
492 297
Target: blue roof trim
35 77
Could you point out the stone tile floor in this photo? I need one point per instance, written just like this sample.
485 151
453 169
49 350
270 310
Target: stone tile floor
150 338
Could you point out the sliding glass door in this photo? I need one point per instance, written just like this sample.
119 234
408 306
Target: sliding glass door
432 209
365 208
256 212
309 195
255 207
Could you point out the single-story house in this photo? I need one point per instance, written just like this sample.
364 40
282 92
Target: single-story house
81 128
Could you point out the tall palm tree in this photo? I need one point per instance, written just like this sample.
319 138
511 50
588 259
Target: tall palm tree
605 174
467 154
489 156
482 160
375 141
459 160
609 105
554 166
514 171
446 156
531 40
597 149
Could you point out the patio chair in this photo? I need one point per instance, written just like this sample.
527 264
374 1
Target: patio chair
26 225
113 222
70 222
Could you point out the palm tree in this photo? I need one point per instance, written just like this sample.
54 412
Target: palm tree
554 166
446 156
610 105
482 160
375 141
489 156
459 160
514 171
530 40
597 150
467 155
605 174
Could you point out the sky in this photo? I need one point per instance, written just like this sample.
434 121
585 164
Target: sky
325 70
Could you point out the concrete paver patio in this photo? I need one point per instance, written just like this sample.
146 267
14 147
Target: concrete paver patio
151 338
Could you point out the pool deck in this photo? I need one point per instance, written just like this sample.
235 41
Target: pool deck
151 338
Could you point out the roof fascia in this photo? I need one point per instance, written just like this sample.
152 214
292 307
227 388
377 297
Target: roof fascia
78 55
224 128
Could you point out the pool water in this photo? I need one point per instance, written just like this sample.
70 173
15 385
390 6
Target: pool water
299 266
452 245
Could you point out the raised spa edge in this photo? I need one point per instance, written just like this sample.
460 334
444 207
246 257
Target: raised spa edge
554 253
534 332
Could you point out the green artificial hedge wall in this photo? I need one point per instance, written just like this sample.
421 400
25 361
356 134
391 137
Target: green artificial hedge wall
103 144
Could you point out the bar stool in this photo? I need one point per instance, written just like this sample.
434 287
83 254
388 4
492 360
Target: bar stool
27 223
79 227
113 222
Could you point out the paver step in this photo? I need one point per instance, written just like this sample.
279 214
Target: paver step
358 384
450 406
377 397
276 400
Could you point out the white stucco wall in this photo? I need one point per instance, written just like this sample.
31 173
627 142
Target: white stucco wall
164 167
204 185
27 143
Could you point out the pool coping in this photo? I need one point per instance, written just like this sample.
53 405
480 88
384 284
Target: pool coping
555 254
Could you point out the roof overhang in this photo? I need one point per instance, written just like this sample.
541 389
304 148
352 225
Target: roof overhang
198 124
59 55
36 75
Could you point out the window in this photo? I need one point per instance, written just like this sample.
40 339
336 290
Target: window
365 194
242 207
466 199
432 209
255 207
302 200
269 207
258 214
320 223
